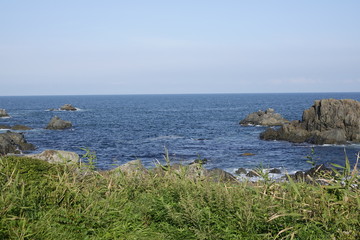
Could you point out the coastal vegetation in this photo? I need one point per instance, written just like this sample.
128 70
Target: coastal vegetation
40 200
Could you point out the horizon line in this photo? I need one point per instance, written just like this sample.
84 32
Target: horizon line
138 94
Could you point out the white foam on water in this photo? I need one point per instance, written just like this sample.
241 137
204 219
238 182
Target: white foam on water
165 137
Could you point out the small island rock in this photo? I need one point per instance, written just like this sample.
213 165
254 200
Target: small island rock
264 118
58 124
68 107
328 121
3 113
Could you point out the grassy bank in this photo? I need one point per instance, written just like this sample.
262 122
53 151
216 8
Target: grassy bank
48 201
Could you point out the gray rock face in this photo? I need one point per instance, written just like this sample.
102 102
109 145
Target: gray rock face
3 113
58 124
328 121
267 118
67 107
56 156
131 168
11 142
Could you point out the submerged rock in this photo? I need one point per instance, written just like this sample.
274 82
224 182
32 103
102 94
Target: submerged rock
11 142
3 113
20 127
58 124
247 154
328 121
56 156
264 118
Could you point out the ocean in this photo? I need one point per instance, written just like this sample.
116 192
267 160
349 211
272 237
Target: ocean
120 128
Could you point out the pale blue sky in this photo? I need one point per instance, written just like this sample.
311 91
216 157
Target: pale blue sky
135 47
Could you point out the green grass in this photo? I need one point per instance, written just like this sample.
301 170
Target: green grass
49 201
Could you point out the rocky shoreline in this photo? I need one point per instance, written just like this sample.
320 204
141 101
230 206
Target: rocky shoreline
327 121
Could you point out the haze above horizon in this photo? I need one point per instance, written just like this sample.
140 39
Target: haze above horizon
167 47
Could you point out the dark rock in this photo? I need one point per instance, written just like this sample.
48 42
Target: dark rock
68 107
318 171
241 171
267 118
275 171
21 127
252 173
5 127
3 113
200 161
328 121
312 174
11 142
58 124
219 175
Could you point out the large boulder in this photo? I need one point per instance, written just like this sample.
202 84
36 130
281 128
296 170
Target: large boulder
3 113
58 124
133 167
11 142
68 107
56 156
328 121
264 118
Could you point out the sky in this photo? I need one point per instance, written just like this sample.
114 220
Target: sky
72 47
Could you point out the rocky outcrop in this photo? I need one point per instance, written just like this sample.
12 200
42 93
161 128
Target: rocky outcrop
3 113
58 124
264 118
68 107
313 174
328 121
65 107
11 142
5 127
56 156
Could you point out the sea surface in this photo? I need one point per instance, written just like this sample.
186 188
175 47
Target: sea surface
120 128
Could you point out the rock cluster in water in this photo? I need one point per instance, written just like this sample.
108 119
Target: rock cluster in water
3 113
328 121
65 107
57 123
11 142
264 118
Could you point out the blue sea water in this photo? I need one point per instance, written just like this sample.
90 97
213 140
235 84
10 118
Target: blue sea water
121 128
